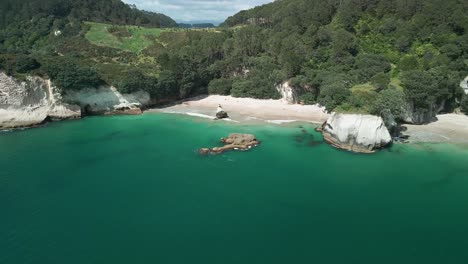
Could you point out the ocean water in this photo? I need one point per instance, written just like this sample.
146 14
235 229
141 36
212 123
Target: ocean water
132 189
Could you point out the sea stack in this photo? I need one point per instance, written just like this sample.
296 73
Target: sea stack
357 133
220 113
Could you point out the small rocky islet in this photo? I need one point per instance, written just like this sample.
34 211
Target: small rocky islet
234 141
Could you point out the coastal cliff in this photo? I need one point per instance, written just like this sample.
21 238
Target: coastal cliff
31 102
36 100
106 100
357 133
422 116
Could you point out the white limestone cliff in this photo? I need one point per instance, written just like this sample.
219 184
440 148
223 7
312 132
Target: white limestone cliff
107 100
31 102
357 133
287 92
36 100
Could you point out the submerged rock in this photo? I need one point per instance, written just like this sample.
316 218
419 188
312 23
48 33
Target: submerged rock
357 133
233 142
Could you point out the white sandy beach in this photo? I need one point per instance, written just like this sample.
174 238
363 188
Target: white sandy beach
449 128
248 109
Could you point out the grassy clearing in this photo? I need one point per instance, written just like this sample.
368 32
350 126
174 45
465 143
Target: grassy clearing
396 82
128 38
136 39
366 87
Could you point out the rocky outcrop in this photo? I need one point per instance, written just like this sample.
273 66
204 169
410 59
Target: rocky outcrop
220 113
107 100
31 102
36 100
464 84
287 92
357 133
422 116
233 142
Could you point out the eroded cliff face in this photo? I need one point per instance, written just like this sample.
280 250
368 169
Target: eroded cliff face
422 116
287 92
35 101
31 102
107 100
357 133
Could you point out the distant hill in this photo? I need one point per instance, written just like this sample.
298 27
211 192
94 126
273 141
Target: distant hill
108 11
214 22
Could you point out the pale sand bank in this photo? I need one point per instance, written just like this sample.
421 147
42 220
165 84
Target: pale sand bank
249 110
449 128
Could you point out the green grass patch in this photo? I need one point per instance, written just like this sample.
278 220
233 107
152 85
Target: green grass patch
396 82
129 38
366 87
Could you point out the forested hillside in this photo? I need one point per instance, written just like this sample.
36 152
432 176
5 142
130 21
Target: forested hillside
109 11
399 57
356 53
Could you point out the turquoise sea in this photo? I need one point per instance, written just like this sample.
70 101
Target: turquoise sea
132 189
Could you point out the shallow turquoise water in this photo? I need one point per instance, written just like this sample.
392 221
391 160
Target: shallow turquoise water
129 189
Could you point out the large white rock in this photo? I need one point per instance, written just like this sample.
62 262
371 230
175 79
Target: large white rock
358 133
31 102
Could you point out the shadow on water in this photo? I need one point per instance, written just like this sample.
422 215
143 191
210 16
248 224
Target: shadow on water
304 138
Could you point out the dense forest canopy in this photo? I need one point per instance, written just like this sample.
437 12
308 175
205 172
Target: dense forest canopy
348 55
111 11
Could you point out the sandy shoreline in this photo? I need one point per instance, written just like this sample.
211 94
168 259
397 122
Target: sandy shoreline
449 128
248 110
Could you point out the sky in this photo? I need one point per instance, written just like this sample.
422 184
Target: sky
197 10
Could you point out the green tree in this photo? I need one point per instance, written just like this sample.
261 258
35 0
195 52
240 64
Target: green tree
408 63
380 80
422 89
25 64
332 95
220 86
72 76
391 100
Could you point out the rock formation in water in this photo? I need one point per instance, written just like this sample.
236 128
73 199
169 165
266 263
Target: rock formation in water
233 142
220 113
31 102
357 133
